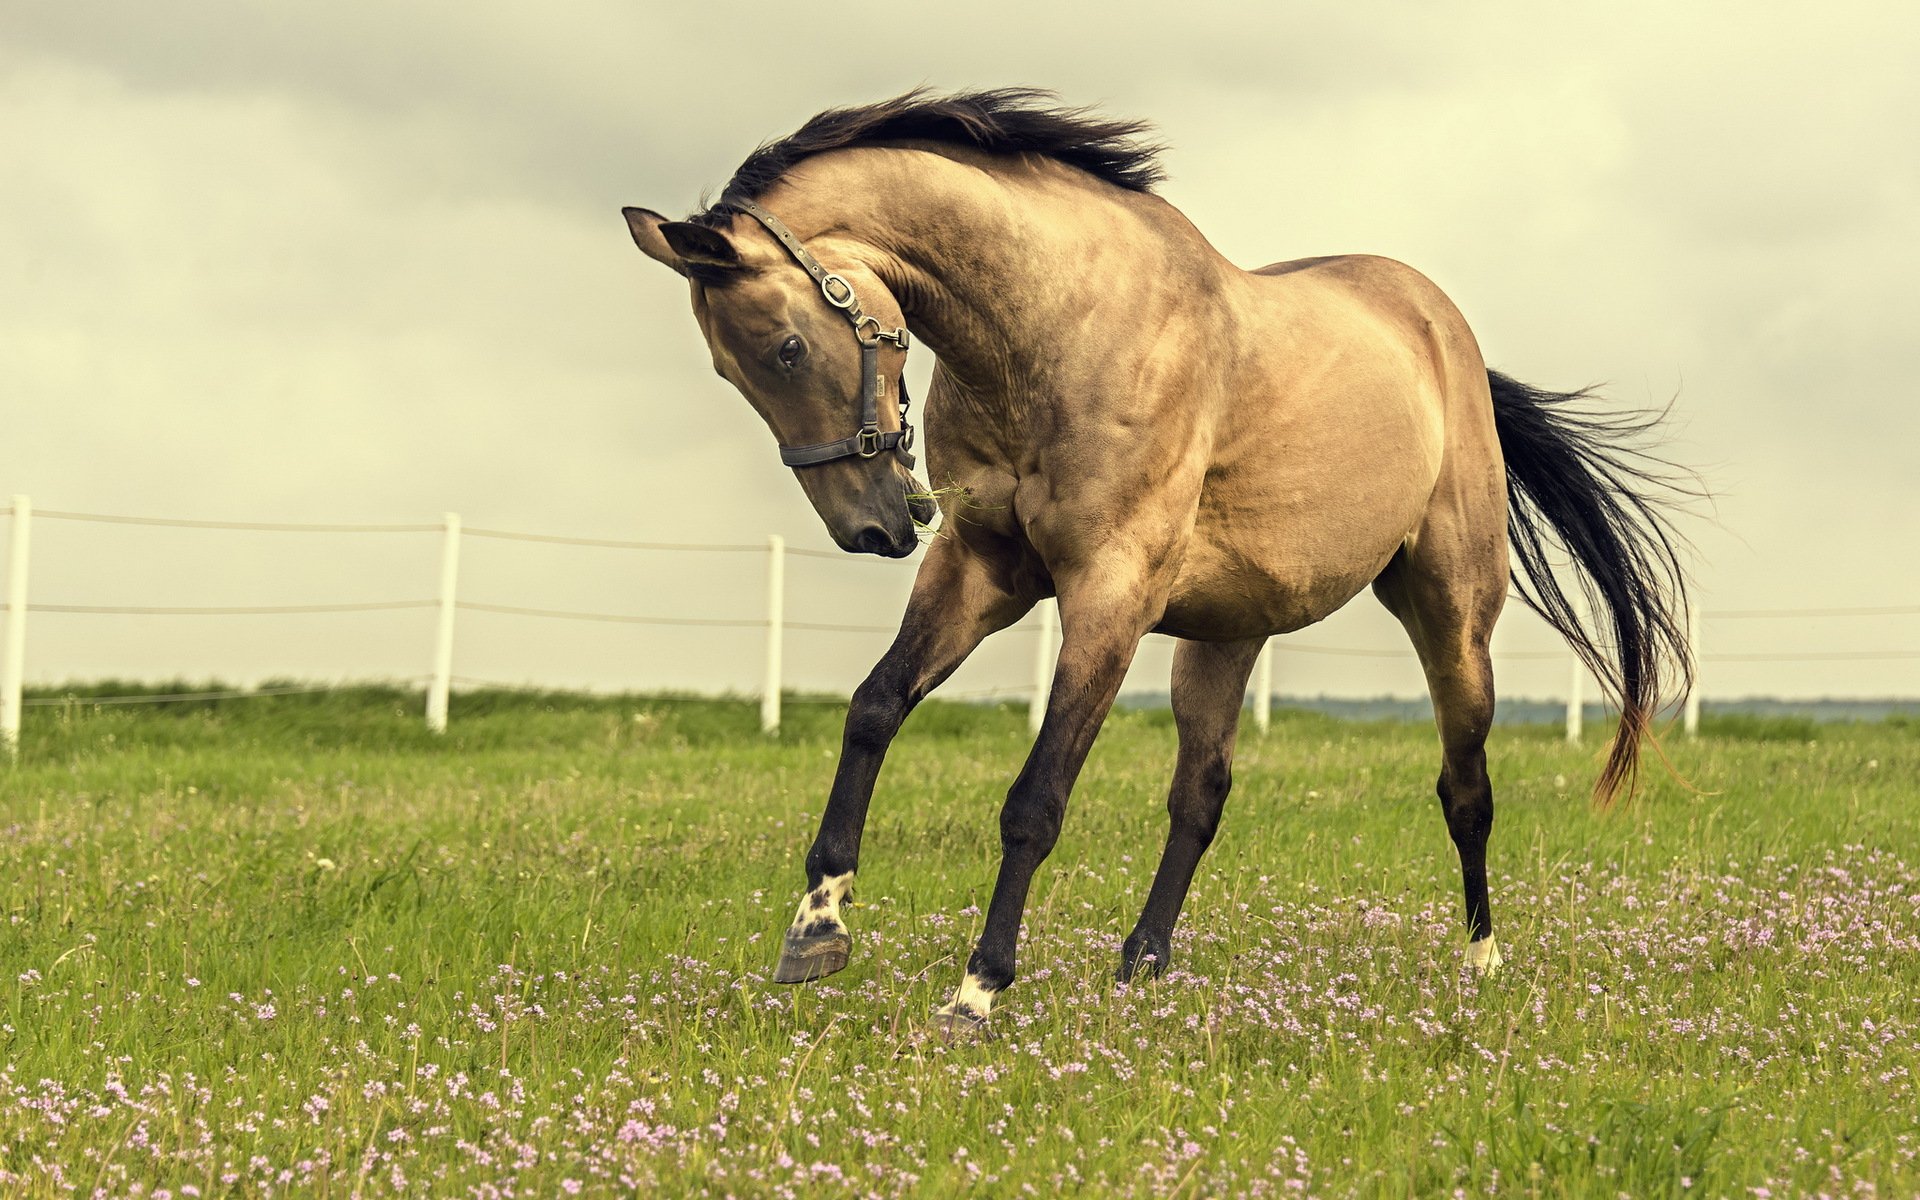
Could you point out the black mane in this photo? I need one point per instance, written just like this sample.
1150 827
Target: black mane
1000 121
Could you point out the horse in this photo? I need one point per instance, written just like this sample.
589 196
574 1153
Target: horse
1122 419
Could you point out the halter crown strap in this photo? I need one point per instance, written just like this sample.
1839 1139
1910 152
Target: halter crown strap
870 440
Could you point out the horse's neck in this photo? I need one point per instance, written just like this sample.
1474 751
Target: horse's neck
998 271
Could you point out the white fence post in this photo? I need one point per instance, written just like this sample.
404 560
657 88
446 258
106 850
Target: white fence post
1043 655
1690 718
1263 688
11 668
442 686
776 630
1577 677
1576 700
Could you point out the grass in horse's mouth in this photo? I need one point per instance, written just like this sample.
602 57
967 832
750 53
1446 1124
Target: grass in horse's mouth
963 497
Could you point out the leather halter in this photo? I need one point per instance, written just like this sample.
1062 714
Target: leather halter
870 440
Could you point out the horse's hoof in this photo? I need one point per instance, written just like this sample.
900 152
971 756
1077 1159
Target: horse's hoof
1143 953
957 1023
1484 956
807 958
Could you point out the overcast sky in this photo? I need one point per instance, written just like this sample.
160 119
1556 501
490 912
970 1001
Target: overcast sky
347 261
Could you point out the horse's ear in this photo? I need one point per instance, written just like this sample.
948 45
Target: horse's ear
645 225
699 246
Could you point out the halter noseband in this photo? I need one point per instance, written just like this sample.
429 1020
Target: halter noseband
871 440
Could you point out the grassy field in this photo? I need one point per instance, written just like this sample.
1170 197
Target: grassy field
296 946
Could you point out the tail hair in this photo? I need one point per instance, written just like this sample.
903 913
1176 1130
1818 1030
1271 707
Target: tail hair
1582 480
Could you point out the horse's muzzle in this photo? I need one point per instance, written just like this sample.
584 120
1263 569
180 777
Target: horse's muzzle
875 539
890 533
869 507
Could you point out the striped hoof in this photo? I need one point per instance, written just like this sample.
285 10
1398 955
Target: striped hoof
964 1018
956 1023
807 958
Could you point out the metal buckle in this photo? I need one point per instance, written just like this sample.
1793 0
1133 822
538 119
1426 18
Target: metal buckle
868 443
827 283
906 436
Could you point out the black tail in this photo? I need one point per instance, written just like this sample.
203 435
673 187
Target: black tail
1581 480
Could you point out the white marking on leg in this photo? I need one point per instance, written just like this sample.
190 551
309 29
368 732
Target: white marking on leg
973 999
1484 955
822 904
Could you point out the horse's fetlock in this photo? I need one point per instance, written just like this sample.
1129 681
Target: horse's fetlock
826 861
988 970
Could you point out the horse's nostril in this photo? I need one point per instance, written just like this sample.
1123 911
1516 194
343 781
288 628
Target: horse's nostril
873 540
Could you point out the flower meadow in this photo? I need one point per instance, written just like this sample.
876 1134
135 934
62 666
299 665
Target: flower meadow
295 947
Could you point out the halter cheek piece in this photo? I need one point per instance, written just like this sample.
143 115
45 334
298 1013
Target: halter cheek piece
870 441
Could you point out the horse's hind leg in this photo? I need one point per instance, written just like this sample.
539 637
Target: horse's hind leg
1448 607
1209 687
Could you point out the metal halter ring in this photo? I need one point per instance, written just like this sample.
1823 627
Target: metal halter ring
898 336
869 443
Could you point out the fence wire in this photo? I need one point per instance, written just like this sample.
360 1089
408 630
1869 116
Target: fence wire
555 539
1890 610
249 526
1008 692
557 614
833 627
1743 614
1815 656
231 610
177 697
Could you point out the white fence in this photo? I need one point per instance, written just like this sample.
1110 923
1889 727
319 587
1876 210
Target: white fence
773 627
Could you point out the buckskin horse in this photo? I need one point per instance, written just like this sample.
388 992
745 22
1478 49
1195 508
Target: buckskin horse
1122 418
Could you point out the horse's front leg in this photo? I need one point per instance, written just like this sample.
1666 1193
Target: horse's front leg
958 599
1103 616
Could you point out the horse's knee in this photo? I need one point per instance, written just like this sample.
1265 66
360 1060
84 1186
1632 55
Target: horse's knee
874 714
1029 827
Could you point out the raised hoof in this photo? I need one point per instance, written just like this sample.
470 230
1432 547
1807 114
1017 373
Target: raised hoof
956 1024
807 958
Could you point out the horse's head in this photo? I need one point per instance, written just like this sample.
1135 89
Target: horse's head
809 361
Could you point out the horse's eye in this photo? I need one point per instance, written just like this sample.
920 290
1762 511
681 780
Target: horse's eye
792 351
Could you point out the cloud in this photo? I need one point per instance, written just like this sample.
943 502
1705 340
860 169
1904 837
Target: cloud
352 261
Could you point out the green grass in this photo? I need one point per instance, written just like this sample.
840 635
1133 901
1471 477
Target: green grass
297 945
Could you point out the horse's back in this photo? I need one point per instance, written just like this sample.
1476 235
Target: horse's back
1413 311
1385 283
1298 264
